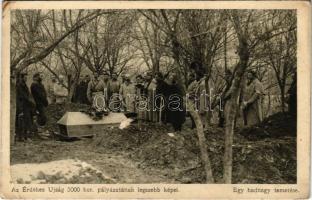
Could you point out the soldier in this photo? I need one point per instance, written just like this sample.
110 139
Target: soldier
252 96
106 81
24 109
162 97
97 91
60 91
140 101
127 92
40 96
150 90
82 89
175 108
114 91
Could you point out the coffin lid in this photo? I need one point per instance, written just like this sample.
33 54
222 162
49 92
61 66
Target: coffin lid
78 118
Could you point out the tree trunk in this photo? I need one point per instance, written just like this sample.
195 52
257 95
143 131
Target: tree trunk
230 116
202 144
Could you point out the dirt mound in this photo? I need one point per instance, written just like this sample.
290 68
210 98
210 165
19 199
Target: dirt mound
273 160
127 139
277 125
167 151
180 152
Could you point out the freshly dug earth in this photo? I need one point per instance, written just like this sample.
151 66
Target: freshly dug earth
151 154
275 126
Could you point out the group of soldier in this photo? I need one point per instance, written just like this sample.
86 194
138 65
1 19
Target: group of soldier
136 96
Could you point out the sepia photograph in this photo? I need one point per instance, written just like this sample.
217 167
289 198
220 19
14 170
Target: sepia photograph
153 96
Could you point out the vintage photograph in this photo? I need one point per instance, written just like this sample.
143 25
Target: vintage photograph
171 96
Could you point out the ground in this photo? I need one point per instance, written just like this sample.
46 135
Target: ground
261 154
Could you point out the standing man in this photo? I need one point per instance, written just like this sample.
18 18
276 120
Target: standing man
252 96
40 96
96 90
162 88
60 91
82 89
175 108
24 109
114 90
127 92
106 81
140 101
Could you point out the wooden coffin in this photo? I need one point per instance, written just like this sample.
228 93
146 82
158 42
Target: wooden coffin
77 124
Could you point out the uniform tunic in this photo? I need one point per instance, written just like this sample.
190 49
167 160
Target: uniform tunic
114 97
97 87
127 92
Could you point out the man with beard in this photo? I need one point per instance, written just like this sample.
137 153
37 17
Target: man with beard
252 96
24 109
40 96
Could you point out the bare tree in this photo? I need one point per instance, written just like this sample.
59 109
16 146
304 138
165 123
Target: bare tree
24 59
